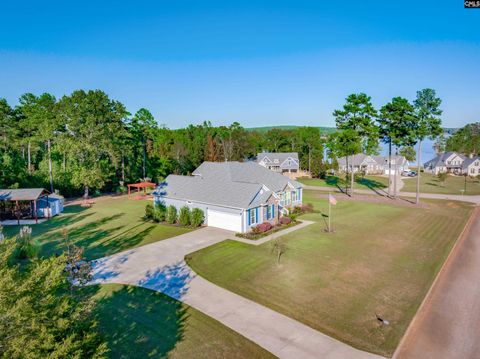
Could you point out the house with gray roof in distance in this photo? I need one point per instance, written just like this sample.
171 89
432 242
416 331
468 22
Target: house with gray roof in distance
233 195
454 163
471 166
281 162
372 165
448 162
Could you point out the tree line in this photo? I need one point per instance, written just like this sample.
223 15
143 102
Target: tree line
86 142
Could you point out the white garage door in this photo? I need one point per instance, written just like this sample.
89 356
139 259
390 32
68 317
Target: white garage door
230 221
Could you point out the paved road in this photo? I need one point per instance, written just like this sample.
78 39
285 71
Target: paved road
382 192
160 266
448 323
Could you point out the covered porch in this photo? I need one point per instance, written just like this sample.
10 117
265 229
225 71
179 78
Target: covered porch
18 206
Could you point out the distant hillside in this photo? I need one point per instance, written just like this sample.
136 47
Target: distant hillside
288 127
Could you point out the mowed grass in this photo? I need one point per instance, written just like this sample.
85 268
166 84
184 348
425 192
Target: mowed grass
139 323
368 182
381 259
109 226
453 184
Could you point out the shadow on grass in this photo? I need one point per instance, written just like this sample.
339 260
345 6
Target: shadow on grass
96 240
370 183
139 323
337 182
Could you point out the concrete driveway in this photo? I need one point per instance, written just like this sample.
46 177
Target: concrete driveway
160 266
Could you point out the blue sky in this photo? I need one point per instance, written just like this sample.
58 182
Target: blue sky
256 62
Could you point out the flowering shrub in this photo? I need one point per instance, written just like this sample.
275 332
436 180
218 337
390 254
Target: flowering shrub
304 208
307 207
285 220
264 227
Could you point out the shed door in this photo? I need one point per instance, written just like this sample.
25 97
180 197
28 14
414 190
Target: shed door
229 221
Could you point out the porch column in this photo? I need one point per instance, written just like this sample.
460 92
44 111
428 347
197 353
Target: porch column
35 210
17 210
48 208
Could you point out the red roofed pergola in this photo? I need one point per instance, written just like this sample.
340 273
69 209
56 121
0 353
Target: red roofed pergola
141 185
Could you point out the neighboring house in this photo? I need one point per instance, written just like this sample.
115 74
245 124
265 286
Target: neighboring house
449 162
373 164
279 162
398 163
233 195
471 166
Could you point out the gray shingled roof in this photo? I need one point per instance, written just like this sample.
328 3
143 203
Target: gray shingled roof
22 194
357 160
280 156
441 158
248 172
383 160
468 161
230 184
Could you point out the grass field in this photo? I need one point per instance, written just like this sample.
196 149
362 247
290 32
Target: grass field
430 184
110 225
139 323
381 259
372 182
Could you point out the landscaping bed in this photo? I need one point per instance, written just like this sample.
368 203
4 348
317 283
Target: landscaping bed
258 235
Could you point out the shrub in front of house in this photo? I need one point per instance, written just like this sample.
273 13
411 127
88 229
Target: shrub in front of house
196 217
304 208
171 215
159 213
285 220
264 227
184 216
148 212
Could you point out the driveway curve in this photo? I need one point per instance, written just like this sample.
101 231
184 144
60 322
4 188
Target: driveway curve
160 266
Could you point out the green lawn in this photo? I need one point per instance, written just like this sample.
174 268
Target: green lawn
381 259
110 225
139 323
372 182
430 184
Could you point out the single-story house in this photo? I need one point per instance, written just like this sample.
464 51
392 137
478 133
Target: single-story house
233 195
29 203
279 161
449 162
373 164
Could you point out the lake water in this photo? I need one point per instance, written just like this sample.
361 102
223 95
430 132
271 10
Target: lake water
427 151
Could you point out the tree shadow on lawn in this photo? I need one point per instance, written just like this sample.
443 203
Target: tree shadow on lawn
96 241
140 323
118 243
336 182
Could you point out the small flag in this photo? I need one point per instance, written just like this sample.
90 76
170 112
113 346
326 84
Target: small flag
332 199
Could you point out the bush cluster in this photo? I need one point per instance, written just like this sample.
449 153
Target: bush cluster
285 220
263 227
196 217
186 217
171 215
